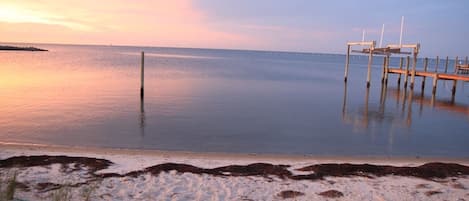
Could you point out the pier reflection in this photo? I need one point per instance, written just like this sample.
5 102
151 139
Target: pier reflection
365 114
433 102
142 117
399 115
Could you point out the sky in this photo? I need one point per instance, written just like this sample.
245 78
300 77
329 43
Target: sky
441 27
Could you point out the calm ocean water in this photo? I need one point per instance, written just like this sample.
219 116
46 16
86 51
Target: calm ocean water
224 101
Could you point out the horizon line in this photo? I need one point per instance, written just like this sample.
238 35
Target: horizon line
182 47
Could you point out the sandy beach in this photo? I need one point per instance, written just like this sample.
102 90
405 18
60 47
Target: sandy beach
44 172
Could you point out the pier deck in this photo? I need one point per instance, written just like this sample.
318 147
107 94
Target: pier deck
441 76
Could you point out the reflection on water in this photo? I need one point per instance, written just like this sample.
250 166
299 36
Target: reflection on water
142 117
403 99
401 114
377 113
242 101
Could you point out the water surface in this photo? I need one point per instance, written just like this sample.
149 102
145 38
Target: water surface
224 101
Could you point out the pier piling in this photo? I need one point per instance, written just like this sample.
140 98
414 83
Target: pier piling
425 70
414 66
407 72
437 63
384 70
370 51
446 65
142 74
401 61
347 63
370 61
456 65
453 90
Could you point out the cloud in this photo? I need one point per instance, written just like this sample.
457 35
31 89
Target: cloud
144 22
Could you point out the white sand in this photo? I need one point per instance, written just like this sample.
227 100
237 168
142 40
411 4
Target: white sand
188 186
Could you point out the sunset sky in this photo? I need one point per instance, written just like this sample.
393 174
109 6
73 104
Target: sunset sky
295 25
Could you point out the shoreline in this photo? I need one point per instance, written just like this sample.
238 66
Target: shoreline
290 158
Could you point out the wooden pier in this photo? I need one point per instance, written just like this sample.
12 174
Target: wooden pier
371 50
459 74
455 77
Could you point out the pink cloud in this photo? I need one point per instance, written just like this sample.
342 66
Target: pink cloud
146 22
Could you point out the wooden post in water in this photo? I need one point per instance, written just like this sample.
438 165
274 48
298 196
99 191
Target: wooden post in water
370 61
465 61
437 63
453 91
142 74
456 65
401 61
424 69
407 72
446 65
414 66
347 60
384 70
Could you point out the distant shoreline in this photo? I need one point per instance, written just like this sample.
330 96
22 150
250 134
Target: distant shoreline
14 48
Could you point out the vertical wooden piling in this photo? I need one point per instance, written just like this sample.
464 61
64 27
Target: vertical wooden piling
453 90
401 61
437 63
435 82
142 74
370 62
466 61
425 70
456 65
414 66
384 69
407 72
446 65
347 60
